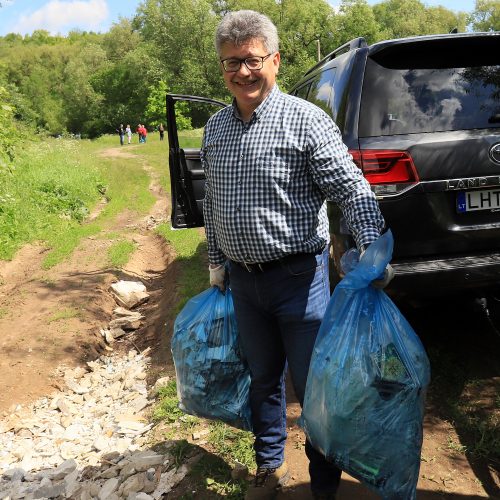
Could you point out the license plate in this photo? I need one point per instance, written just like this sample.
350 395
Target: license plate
487 199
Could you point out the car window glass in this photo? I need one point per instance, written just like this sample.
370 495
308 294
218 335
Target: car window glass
321 91
302 91
405 101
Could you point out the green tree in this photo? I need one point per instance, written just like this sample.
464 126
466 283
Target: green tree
82 102
180 34
401 18
120 40
355 19
300 25
486 15
442 20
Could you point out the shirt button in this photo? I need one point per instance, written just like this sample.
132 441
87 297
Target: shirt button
237 209
242 155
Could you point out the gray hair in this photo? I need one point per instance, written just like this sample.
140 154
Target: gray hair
243 25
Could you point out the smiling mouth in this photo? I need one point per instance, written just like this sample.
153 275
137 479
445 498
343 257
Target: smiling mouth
245 84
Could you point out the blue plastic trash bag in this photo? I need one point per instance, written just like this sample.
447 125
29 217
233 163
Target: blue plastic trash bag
364 400
213 380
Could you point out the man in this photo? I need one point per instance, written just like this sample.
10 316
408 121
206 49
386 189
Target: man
271 160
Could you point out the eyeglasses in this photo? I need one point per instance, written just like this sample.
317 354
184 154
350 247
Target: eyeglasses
254 63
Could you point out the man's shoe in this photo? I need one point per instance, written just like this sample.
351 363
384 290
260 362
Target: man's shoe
267 482
323 495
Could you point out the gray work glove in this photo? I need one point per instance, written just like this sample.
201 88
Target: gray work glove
217 276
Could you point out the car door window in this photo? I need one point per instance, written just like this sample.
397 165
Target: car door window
186 119
321 90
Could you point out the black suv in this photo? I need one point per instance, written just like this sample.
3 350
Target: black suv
421 117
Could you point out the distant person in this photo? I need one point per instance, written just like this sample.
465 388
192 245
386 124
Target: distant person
139 132
128 131
162 131
121 133
144 133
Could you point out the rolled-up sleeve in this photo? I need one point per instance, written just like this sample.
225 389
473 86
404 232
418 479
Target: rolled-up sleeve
341 181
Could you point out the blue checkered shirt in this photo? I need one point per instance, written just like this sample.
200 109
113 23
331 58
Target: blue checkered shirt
267 181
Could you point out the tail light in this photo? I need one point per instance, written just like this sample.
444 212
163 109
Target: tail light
389 172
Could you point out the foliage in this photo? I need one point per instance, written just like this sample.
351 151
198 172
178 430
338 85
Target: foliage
49 191
168 407
400 18
7 133
356 18
88 83
486 16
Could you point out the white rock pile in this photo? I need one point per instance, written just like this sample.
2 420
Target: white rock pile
88 441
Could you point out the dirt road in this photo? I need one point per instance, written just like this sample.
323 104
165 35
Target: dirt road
50 318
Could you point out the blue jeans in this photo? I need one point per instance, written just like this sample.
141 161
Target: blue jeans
279 311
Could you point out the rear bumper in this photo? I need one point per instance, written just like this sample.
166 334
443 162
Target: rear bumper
474 274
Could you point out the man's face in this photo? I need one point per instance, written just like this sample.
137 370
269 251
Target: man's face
250 87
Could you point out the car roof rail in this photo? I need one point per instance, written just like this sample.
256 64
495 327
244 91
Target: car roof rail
356 43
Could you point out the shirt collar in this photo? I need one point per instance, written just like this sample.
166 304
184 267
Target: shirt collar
265 105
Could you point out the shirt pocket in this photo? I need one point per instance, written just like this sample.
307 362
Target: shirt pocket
272 173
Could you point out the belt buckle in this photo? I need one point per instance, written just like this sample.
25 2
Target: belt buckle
247 265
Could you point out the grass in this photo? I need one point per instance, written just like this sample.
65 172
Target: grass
168 409
119 252
66 313
234 445
191 249
465 396
55 185
227 446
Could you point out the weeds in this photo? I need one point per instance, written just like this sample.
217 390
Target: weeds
179 451
191 250
119 252
67 313
168 409
231 444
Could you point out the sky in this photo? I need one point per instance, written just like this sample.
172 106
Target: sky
62 16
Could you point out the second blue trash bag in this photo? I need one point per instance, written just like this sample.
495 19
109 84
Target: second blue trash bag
213 380
365 393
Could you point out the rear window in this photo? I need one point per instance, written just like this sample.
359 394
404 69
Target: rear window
403 96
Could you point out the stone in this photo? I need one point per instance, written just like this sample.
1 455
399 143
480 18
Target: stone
16 474
199 434
67 467
116 333
139 496
49 490
132 484
71 484
129 294
143 460
161 382
109 487
130 322
102 443
169 480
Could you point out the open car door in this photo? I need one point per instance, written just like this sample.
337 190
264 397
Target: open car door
187 115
